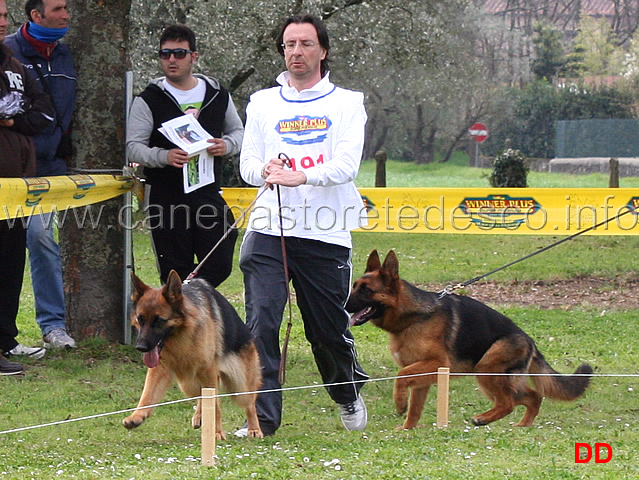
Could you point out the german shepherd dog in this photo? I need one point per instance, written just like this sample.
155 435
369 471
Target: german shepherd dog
427 332
192 333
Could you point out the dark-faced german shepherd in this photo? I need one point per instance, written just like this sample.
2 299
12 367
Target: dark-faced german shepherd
192 333
428 332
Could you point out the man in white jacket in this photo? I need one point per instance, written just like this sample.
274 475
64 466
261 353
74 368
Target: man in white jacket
305 137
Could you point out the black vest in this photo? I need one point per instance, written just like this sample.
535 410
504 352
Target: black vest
165 107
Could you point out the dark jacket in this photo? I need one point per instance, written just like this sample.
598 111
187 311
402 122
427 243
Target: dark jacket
17 152
165 107
155 105
61 78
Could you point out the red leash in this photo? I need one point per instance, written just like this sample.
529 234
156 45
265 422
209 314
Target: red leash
193 274
282 371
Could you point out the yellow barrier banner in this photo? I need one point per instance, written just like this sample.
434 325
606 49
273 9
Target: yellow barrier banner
532 211
22 197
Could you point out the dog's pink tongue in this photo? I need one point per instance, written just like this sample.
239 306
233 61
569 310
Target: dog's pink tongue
357 316
152 358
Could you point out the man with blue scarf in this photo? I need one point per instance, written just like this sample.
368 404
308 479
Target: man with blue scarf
37 45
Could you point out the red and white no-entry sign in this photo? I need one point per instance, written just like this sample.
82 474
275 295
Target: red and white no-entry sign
478 132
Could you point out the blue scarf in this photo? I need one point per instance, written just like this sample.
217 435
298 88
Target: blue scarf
46 35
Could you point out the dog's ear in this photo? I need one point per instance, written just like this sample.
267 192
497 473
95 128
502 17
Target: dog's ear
390 269
172 290
139 287
373 263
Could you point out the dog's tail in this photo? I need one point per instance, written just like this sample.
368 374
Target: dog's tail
555 385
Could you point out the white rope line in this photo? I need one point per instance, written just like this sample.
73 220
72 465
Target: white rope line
306 387
98 415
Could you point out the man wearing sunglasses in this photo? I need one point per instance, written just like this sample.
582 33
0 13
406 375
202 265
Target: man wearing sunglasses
184 226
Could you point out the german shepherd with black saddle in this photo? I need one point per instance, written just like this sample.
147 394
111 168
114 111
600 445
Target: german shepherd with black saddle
427 332
193 334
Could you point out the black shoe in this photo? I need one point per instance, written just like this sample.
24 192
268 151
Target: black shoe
10 368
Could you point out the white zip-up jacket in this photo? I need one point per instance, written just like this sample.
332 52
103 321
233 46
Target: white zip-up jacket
321 129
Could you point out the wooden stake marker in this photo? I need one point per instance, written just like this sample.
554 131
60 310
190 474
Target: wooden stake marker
443 383
208 427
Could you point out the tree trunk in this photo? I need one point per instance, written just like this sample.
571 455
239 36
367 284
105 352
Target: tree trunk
376 127
429 147
418 135
375 138
93 253
455 143
380 168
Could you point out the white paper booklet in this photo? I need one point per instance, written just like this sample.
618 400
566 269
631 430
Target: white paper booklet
187 134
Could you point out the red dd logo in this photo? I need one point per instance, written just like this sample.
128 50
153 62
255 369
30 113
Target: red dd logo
588 448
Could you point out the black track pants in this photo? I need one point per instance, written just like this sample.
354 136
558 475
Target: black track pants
321 275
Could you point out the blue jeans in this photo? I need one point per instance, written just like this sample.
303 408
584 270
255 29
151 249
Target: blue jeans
46 273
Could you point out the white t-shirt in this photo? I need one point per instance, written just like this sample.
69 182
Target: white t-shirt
188 99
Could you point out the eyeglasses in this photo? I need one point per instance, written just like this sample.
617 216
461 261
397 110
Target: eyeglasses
304 44
179 53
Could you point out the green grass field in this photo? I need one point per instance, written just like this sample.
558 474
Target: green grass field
100 378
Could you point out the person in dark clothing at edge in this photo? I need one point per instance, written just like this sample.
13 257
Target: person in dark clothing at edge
17 160
37 45
184 225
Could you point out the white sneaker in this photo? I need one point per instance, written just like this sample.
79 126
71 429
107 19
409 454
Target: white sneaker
241 433
25 351
58 338
354 415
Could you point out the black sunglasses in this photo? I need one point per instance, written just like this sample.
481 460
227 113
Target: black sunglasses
179 53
